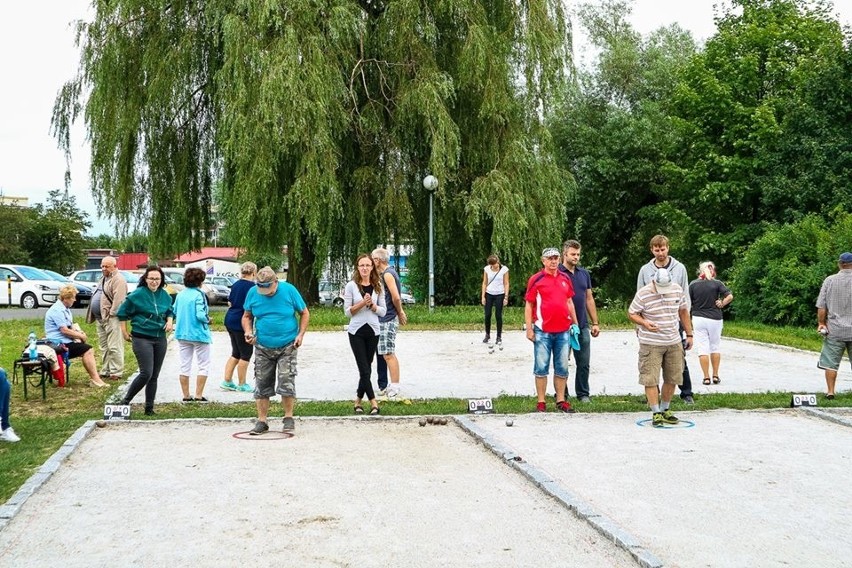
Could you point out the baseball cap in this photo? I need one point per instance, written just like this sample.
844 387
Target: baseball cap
846 258
550 251
265 278
662 278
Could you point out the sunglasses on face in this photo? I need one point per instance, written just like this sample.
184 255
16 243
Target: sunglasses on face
264 284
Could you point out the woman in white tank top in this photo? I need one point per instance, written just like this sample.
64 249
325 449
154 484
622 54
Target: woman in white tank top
495 293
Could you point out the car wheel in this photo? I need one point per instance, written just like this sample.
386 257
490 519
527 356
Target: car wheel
338 302
29 301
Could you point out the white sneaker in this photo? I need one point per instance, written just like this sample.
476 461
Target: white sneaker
8 435
382 392
393 394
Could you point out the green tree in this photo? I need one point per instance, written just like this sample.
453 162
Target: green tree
747 125
15 222
56 239
614 134
320 118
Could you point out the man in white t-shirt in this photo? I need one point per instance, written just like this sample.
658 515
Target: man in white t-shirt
657 309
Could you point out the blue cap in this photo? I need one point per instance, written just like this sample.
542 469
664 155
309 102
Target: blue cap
846 258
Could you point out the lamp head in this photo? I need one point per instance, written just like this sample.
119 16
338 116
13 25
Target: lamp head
430 182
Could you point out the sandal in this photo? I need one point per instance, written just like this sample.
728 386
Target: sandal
359 409
706 380
374 411
716 380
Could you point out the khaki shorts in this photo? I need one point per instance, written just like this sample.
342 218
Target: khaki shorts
832 353
669 358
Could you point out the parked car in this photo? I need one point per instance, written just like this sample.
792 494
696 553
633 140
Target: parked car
84 292
330 294
91 276
406 296
216 293
30 286
226 281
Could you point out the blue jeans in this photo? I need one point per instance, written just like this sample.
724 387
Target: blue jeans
556 344
582 359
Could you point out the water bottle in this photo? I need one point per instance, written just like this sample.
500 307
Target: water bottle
32 346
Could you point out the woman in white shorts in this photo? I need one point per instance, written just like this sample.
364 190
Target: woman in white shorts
192 330
708 297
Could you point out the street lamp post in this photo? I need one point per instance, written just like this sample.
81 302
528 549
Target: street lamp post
430 182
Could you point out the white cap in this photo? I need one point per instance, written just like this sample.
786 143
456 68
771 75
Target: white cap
662 278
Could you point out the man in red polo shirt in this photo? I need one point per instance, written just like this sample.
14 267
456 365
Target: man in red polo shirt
549 315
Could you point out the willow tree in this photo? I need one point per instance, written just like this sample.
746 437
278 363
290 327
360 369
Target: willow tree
320 118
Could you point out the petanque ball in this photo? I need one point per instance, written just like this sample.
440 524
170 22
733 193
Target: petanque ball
430 420
443 421
423 422
100 423
509 422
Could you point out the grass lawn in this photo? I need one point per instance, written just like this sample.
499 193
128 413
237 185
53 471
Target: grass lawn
46 424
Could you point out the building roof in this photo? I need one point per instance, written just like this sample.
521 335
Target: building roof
213 253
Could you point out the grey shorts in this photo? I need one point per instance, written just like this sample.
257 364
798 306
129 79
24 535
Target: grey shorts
387 337
832 353
275 365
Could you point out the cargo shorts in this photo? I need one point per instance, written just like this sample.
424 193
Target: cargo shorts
275 365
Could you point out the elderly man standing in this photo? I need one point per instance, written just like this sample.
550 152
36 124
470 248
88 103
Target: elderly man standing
107 298
834 320
270 324
550 320
387 363
658 309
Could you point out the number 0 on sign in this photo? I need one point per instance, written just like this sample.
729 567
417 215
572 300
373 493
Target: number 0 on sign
480 406
803 400
116 412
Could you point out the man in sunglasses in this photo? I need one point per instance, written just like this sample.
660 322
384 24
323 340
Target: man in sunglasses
270 324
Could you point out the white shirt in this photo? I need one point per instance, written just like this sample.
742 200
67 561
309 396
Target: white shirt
495 280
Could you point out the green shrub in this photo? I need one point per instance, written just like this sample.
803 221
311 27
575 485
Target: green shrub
778 279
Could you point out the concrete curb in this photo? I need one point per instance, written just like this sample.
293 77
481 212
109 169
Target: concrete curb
583 510
825 415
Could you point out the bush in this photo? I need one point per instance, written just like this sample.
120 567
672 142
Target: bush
778 279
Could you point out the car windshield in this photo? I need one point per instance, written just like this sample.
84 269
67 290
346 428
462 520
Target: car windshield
129 276
55 275
31 273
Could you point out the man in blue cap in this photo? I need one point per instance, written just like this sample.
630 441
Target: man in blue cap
834 320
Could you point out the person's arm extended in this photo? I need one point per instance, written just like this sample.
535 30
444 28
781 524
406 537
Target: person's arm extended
528 310
686 322
484 286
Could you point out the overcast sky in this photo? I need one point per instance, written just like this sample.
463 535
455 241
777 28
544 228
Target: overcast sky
38 56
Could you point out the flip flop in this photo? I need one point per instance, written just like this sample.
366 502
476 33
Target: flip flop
716 380
706 380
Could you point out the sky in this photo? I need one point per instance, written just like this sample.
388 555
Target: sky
39 56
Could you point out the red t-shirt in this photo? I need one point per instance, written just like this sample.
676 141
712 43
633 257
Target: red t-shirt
549 295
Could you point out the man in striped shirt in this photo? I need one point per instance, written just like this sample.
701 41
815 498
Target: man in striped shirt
657 309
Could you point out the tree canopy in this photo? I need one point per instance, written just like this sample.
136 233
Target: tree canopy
320 119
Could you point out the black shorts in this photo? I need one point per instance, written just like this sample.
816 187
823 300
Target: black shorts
239 348
77 349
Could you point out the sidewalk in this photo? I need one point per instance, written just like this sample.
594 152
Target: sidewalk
439 364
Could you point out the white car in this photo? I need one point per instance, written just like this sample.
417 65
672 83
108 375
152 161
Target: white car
91 276
30 286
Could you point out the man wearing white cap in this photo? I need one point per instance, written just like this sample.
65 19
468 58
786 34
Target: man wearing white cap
657 309
270 324
548 300
834 320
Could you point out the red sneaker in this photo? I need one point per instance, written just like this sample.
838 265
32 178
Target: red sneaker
541 407
564 406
